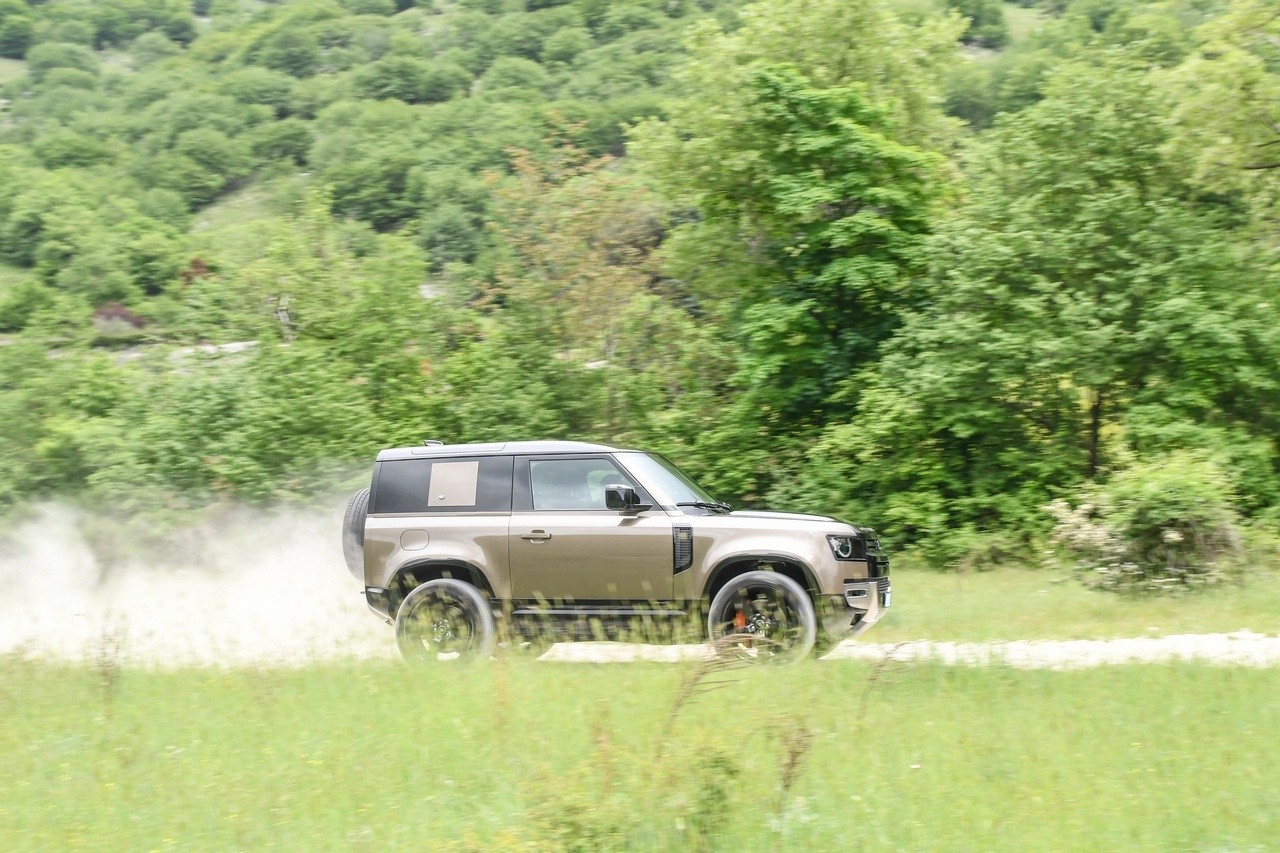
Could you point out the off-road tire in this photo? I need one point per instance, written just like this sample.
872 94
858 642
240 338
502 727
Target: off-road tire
802 620
452 600
353 532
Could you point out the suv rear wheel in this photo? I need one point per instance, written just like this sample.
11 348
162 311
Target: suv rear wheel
763 616
445 619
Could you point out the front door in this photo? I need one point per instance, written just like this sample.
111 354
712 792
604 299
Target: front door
566 546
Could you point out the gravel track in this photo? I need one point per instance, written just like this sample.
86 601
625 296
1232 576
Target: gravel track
273 591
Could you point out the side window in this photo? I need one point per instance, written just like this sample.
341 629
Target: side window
453 484
573 483
443 485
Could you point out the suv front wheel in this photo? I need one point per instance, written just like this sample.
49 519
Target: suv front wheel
445 619
764 616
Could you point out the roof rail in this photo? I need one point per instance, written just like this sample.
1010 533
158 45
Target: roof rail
431 442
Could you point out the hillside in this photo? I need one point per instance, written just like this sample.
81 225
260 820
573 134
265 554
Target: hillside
929 264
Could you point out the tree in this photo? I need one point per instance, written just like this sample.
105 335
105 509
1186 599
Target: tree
808 157
291 49
412 80
1228 129
365 153
575 333
289 139
49 55
17 31
987 27
1083 300
263 86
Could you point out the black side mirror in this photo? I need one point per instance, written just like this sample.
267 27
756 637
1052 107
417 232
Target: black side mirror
623 498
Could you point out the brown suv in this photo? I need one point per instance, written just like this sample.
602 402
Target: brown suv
577 539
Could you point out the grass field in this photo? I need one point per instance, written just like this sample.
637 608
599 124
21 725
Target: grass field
1009 604
11 275
516 755
11 69
1022 20
233 227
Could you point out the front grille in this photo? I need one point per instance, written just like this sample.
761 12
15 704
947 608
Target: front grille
877 562
682 548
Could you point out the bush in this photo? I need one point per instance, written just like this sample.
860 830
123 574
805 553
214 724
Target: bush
21 302
414 81
16 34
150 48
42 58
290 139
564 45
510 74
1167 524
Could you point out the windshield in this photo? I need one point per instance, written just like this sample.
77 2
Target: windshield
673 485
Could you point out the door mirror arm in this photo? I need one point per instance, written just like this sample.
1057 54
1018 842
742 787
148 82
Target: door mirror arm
624 499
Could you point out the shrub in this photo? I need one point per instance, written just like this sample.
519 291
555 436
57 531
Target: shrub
21 302
1167 524
16 34
412 80
42 58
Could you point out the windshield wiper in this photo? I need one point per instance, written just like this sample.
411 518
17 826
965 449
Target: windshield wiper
707 505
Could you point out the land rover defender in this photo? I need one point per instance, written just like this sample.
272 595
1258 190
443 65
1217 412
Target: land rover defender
457 546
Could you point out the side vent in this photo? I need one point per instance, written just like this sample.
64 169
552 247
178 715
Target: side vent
682 548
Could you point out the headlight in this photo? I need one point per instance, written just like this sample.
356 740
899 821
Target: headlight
847 548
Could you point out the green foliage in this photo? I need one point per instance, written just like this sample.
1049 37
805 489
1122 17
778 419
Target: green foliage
1165 525
22 301
119 21
46 56
1080 282
288 139
153 47
261 86
370 7
813 185
17 31
290 50
565 44
513 74
987 27
1227 88
414 81
744 234
66 148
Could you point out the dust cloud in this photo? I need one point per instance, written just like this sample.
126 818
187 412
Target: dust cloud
247 588
271 588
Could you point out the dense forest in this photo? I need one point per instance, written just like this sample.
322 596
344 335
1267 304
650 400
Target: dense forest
950 267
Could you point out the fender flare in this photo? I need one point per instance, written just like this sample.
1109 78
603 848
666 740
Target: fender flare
716 578
429 568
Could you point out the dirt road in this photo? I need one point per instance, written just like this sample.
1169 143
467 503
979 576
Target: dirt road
273 591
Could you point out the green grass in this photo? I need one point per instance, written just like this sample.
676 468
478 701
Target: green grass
11 69
10 276
518 755
116 60
1022 20
237 226
1016 604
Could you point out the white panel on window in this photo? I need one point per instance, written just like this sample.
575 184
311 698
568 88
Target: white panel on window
454 483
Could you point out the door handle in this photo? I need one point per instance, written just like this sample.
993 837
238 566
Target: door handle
536 536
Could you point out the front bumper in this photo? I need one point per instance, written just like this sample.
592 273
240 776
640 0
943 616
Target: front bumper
862 605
